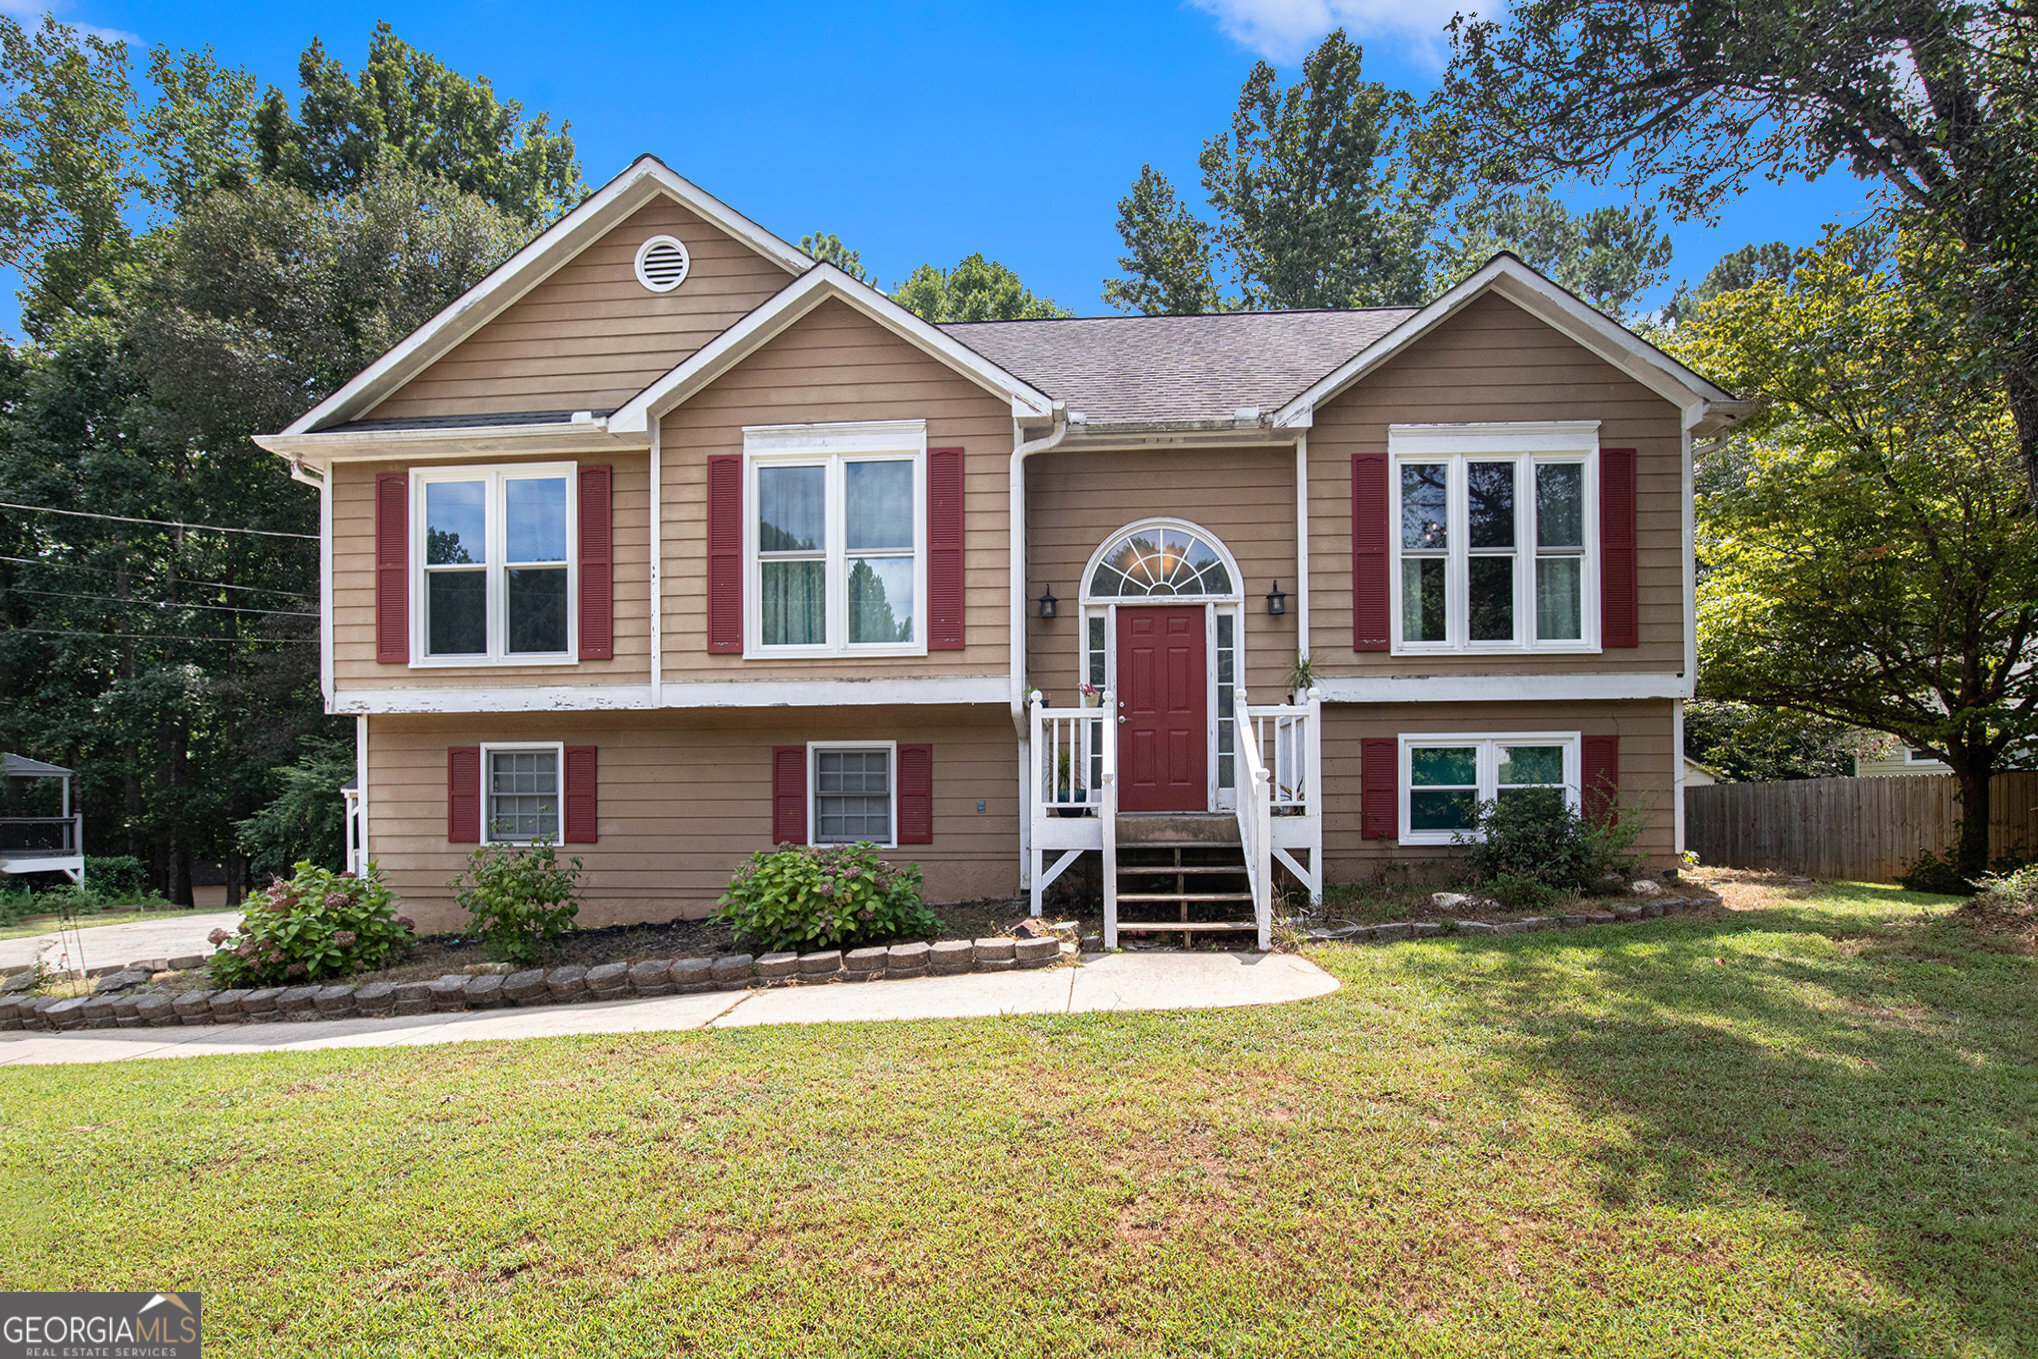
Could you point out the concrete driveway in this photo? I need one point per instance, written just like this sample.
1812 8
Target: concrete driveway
175 934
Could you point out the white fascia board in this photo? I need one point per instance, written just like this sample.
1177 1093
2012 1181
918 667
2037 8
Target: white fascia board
820 693
452 442
780 311
1540 297
532 265
1501 688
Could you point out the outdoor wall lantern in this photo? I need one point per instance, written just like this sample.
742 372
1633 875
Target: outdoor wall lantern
1277 600
1047 601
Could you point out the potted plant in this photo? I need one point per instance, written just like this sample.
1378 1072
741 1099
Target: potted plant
1068 787
1301 678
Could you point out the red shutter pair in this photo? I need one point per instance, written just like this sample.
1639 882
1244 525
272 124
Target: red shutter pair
789 795
1619 600
596 566
944 609
577 822
1380 783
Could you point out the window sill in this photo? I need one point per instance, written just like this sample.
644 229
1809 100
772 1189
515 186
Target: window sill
1498 649
550 658
826 653
1445 838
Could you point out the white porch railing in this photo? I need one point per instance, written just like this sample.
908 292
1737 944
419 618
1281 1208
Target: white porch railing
1288 740
1255 819
1072 779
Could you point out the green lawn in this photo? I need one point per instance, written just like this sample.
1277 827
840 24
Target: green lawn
1807 1130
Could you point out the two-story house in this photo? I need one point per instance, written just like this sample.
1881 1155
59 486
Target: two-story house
670 543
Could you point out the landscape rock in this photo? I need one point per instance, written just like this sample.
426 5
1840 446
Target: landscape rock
376 998
158 1011
10 1012
733 971
226 1006
33 1012
778 968
149 966
485 991
1628 912
185 962
298 1003
1419 929
526 987
825 965
127 1010
691 976
951 957
488 969
259 1005
65 1014
1476 927
195 1007
1530 924
1394 929
98 1012
412 998
993 950
864 964
1091 943
1453 901
1600 917
608 981
120 981
910 960
1646 887
1651 910
568 983
1036 952
652 977
1029 928
18 982
334 1002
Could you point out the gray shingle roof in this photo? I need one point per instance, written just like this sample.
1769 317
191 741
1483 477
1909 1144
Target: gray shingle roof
1114 368
21 767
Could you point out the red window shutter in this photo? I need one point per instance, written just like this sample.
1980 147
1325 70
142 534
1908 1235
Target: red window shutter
597 566
1600 774
1370 592
789 795
463 794
1379 798
1619 595
577 826
392 568
725 556
944 549
916 795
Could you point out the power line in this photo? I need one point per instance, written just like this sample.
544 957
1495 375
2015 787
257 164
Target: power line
109 571
159 523
163 603
156 636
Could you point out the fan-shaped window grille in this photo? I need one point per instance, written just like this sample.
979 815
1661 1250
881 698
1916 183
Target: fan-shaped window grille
1160 561
662 263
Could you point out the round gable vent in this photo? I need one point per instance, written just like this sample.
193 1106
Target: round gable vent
662 263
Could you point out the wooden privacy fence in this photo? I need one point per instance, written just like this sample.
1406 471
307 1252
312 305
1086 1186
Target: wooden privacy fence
1868 830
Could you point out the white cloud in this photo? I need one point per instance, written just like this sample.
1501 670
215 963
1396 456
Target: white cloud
30 12
1282 30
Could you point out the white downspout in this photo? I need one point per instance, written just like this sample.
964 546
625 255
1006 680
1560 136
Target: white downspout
1302 544
1016 519
657 567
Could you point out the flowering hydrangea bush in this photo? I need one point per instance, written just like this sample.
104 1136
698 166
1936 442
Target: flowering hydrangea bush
319 924
799 897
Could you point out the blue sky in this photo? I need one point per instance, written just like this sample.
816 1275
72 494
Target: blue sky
916 131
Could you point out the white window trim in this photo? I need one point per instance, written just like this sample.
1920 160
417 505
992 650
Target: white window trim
558 749
830 446
497 624
1488 770
1527 444
891 749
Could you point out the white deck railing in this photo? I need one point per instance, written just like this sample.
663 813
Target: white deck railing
1288 739
1255 819
1072 781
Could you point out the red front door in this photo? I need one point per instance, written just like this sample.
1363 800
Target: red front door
1162 695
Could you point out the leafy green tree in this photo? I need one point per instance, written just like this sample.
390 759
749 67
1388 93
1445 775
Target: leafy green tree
1169 264
406 108
827 247
1608 256
977 289
1743 743
1870 559
1935 101
306 820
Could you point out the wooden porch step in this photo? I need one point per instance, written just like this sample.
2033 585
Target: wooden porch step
1184 896
1147 870
1177 926
1168 829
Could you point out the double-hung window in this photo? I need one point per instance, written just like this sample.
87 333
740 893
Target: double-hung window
1492 530
836 535
1445 779
494 547
853 793
521 792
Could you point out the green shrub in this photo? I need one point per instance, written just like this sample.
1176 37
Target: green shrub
1940 873
802 897
2015 891
319 924
520 898
1534 847
116 875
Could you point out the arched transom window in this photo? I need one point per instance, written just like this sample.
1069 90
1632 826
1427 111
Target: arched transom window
1161 561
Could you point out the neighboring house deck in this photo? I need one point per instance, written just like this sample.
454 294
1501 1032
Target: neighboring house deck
42 844
671 543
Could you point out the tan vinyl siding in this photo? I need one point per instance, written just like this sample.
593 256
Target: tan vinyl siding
1245 497
683 798
1647 774
837 365
354 663
591 336
1495 362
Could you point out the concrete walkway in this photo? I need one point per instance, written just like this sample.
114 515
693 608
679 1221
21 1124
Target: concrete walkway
1124 981
176 935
